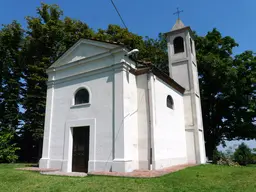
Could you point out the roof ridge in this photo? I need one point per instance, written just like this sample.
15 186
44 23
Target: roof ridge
105 41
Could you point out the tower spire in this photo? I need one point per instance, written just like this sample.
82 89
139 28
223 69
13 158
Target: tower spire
179 24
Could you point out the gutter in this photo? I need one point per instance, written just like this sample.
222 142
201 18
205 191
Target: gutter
151 121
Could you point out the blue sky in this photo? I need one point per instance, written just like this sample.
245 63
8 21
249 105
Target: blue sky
234 18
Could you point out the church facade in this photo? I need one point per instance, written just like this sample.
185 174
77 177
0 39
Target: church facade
104 112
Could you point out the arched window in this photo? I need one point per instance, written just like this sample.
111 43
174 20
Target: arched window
191 45
82 96
178 45
169 102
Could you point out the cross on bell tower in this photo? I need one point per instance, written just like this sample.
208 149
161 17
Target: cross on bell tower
178 12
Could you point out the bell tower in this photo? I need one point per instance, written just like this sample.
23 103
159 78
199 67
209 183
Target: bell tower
183 69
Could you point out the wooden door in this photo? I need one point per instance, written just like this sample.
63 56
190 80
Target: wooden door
80 156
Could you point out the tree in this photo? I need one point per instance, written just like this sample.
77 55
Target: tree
48 36
150 50
11 37
156 51
10 44
8 149
227 86
243 154
244 98
117 34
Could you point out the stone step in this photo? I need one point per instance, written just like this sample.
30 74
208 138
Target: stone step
70 174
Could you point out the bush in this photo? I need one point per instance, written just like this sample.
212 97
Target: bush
243 155
253 159
7 148
217 155
227 161
221 158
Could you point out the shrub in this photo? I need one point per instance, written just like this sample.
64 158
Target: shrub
227 161
221 158
243 155
7 148
253 159
217 155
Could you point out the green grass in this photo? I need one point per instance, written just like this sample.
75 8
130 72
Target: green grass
194 179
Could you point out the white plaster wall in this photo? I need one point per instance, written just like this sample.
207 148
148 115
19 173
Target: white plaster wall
202 147
101 108
102 76
193 55
130 121
143 122
180 74
189 121
79 67
191 152
195 78
44 161
89 65
83 51
199 113
169 131
111 113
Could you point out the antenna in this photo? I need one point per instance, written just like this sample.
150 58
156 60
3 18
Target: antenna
119 14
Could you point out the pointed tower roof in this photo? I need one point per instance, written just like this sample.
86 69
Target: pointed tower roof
178 25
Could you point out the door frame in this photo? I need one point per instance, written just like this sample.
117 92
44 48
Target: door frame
68 142
85 128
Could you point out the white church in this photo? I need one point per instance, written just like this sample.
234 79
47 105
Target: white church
105 112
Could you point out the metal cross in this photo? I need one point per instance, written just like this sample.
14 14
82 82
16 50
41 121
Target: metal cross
178 13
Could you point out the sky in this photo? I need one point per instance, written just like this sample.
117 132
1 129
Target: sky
233 18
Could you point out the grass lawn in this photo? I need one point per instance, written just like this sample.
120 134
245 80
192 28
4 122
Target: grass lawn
194 179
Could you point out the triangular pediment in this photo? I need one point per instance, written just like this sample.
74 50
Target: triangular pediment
84 48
